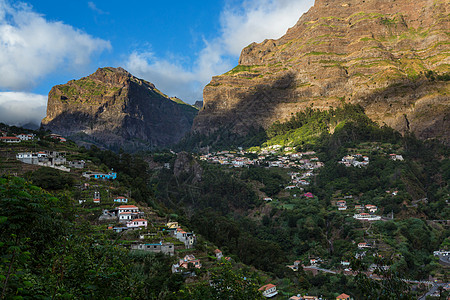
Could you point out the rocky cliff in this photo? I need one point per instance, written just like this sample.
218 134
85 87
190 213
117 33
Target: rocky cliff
112 108
372 52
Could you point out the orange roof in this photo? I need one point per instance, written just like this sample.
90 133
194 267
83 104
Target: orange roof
266 287
127 206
140 220
120 197
343 296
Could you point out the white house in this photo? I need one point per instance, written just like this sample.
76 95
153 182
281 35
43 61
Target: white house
25 137
127 208
137 223
121 199
269 290
366 217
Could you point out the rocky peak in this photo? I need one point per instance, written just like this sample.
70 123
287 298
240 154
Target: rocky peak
372 52
113 108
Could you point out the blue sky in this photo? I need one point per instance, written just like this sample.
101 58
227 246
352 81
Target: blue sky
177 46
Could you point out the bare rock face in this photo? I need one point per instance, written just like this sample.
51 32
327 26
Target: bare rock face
112 108
373 52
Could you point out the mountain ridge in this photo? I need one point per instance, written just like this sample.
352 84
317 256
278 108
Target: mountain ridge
373 53
113 108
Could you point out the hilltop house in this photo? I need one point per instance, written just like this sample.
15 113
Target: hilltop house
269 290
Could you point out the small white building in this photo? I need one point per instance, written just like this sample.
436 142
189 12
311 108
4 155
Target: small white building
137 223
269 290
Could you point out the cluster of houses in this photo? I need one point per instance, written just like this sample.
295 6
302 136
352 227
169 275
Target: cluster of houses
355 160
266 157
188 238
128 215
183 264
299 180
16 138
52 159
342 205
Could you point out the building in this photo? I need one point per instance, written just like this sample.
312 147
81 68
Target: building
25 137
218 254
165 248
128 212
10 139
172 225
371 208
184 263
121 199
343 297
91 175
366 217
77 164
269 290
137 223
96 198
189 239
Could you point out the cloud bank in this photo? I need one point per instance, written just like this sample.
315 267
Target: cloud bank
251 21
32 47
17 108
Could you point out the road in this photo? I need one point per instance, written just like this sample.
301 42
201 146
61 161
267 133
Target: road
432 290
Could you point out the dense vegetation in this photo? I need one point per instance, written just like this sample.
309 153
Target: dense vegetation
51 248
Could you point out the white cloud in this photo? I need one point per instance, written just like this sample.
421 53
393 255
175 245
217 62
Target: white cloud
17 108
251 21
32 47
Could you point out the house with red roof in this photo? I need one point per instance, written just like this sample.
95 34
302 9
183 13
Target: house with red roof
218 253
343 297
268 290
128 212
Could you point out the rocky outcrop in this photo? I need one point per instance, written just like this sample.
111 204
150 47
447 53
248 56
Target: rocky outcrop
185 164
112 108
373 52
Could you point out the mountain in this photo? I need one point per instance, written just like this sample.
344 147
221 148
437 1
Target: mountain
389 56
112 108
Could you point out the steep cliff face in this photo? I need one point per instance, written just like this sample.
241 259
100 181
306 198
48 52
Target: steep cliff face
113 108
371 52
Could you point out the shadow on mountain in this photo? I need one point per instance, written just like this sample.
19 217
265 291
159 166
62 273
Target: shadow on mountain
239 125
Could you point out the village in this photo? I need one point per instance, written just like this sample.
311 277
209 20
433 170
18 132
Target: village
138 228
